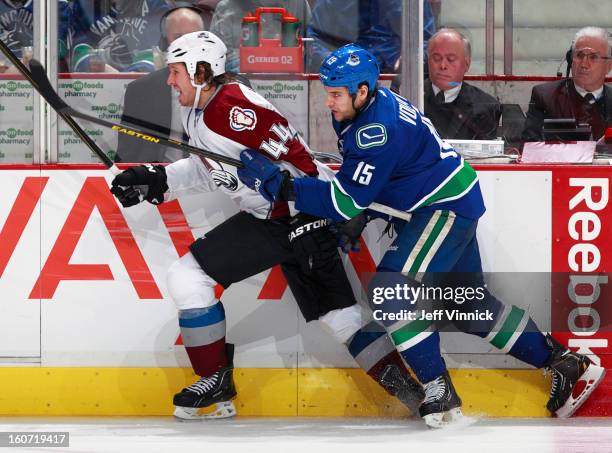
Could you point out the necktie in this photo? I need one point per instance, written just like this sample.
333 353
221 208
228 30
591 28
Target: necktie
590 98
440 97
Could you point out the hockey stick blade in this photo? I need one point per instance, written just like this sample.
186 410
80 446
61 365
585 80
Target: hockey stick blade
45 89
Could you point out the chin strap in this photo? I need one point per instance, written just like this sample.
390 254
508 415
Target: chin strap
198 88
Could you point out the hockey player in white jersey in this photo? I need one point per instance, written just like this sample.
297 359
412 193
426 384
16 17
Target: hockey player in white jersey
226 117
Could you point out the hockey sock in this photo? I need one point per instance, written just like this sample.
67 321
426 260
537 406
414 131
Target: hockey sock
203 333
373 350
422 354
515 333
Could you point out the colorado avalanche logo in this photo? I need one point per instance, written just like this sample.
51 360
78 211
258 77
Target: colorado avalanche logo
225 179
242 119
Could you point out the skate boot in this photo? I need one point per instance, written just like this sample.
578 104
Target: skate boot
403 386
568 370
210 397
442 405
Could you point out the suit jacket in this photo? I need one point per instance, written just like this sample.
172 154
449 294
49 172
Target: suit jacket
473 115
147 103
559 99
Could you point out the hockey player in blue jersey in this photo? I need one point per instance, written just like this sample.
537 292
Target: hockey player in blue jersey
394 156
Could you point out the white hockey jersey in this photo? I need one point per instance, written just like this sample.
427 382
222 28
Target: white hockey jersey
233 119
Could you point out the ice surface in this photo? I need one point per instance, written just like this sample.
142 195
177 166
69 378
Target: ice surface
321 435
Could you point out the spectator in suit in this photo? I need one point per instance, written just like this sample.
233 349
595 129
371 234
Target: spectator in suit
457 109
150 103
584 96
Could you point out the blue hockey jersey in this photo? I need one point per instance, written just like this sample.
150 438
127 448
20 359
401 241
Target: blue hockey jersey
127 29
394 156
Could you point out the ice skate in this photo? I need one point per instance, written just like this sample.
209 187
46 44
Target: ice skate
442 405
570 371
403 386
210 397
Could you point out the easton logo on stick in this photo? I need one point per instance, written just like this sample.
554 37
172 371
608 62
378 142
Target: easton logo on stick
123 130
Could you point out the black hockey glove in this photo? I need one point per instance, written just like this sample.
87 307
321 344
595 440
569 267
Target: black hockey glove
150 178
313 244
348 233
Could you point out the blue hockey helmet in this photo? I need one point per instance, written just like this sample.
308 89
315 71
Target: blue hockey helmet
349 66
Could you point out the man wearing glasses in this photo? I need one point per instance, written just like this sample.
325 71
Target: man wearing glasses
584 96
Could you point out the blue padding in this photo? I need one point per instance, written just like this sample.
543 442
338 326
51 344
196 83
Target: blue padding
202 317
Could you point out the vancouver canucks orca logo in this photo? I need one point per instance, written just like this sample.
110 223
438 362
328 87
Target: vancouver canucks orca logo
225 179
353 60
374 134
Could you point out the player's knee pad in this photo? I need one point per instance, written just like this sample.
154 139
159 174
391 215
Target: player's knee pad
344 322
188 284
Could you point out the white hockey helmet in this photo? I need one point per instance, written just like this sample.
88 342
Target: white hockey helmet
195 47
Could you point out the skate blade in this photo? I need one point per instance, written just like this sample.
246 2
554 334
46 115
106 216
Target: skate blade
442 419
592 377
225 409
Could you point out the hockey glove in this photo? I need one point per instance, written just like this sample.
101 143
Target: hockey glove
263 176
349 233
150 178
312 242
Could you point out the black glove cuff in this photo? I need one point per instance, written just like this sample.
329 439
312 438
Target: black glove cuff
287 189
155 194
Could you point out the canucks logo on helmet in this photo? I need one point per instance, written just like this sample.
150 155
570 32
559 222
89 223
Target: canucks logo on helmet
353 60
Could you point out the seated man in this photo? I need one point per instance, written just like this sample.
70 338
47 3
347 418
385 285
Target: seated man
149 101
584 96
457 109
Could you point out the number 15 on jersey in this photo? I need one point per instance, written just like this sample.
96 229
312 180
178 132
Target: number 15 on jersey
363 173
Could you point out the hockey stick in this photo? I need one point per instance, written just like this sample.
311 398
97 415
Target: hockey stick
64 115
39 80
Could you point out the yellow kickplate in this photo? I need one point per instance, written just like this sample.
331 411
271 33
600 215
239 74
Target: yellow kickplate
261 392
